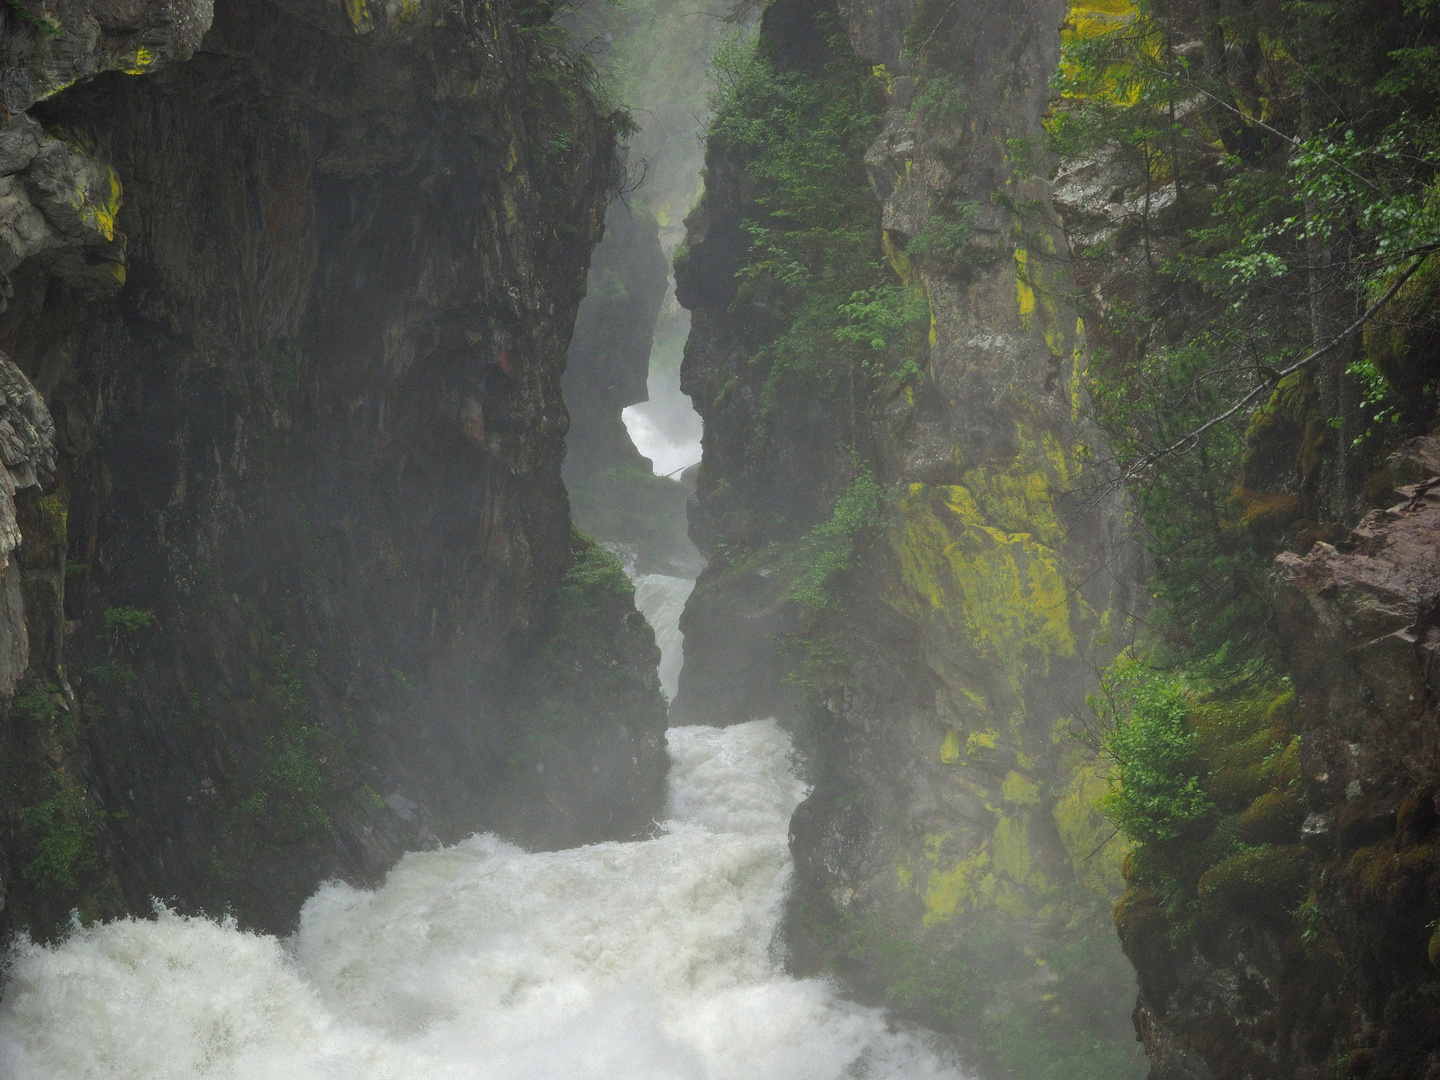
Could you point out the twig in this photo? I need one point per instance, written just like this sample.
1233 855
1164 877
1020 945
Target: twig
1101 845
920 52
1274 377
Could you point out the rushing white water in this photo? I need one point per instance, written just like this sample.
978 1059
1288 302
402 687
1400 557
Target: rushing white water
661 599
648 960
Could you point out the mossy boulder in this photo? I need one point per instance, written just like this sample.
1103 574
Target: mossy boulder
1273 818
1264 882
1395 882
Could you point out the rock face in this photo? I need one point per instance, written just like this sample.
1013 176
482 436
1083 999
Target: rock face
1360 631
1361 637
949 861
305 591
1351 987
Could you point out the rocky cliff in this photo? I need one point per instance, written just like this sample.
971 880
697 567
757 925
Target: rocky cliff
1312 950
299 589
914 557
1282 892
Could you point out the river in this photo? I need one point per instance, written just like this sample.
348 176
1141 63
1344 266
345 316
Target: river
649 960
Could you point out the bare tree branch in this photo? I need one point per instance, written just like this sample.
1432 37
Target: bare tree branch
1188 440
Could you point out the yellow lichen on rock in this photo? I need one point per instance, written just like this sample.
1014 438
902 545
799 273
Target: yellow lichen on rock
950 748
1091 844
99 213
1086 20
1001 591
1024 290
141 64
359 14
1010 844
958 887
1019 790
1037 297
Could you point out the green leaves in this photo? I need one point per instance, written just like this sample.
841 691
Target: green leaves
1384 189
126 619
60 836
881 317
820 303
1158 794
1265 171
829 549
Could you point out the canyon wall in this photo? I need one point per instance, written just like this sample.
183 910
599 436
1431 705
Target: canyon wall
298 583
917 557
1282 891
1310 948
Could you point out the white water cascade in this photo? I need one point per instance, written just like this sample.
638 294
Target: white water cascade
661 599
650 960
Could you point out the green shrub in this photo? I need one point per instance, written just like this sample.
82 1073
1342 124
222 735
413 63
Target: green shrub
824 310
829 549
38 704
59 836
940 96
1157 794
122 675
128 619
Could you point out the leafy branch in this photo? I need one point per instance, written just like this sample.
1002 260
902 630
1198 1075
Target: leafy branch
44 25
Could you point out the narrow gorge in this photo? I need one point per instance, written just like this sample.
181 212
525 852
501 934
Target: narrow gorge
792 540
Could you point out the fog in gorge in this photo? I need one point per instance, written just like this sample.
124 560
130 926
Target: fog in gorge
760 540
653 960
657 959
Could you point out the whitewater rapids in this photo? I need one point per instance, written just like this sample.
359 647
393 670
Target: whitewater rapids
649 960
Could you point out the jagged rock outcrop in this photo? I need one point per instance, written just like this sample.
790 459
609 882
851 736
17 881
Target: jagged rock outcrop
305 591
920 572
49 47
27 452
56 200
1360 626
1316 953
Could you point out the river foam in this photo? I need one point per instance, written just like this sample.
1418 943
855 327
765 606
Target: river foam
650 960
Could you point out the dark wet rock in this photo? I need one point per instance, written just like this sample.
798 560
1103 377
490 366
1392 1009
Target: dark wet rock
69 41
949 807
298 299
1323 964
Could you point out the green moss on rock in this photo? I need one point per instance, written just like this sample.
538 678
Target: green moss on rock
1267 880
1273 818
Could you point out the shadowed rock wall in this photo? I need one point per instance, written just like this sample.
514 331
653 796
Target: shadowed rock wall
305 591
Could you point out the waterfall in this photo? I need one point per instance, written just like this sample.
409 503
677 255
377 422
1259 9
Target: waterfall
648 960
661 599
